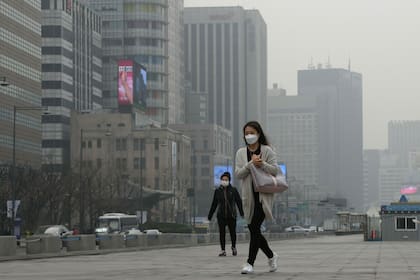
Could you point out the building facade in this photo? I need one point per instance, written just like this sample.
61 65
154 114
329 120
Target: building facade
150 33
71 74
293 131
20 91
130 168
403 138
338 94
371 167
226 58
211 156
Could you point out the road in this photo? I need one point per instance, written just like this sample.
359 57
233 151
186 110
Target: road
325 257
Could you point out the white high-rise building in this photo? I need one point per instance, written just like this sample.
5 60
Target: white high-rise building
71 74
148 32
20 76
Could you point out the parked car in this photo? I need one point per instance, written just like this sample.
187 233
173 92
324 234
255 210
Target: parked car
295 229
55 230
152 232
312 229
133 231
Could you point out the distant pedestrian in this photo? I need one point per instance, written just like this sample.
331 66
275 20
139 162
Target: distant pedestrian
226 198
257 206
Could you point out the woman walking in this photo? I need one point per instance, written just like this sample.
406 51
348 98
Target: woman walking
226 197
257 206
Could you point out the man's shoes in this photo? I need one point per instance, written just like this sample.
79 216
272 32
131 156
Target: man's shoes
247 269
222 253
234 252
272 263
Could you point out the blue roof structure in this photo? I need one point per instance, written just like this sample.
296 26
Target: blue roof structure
400 208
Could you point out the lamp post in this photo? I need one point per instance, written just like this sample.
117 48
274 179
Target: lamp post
81 183
15 109
141 148
81 186
4 82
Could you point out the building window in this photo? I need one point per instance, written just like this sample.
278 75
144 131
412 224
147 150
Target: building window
156 163
136 163
89 144
156 144
99 143
405 224
205 159
142 144
205 171
98 163
121 144
136 144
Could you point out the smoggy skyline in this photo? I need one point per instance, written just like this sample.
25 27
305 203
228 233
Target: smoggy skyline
377 38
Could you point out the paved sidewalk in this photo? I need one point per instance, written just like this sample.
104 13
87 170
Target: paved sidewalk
325 257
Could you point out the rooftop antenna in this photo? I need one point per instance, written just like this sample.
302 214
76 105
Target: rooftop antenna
328 65
311 64
349 66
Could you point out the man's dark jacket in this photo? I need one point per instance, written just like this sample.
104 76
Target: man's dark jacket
226 211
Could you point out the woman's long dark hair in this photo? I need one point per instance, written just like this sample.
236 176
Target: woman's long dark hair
256 125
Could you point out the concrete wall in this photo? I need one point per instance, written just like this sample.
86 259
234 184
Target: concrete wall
83 242
50 244
37 244
111 241
7 245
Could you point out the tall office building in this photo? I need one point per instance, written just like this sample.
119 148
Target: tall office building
371 167
293 131
20 73
403 137
338 94
71 74
226 57
150 33
392 177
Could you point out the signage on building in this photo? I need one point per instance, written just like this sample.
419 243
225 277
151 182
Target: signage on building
125 82
221 17
69 4
132 84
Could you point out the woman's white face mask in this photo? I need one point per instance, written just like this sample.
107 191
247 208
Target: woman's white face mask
224 183
251 138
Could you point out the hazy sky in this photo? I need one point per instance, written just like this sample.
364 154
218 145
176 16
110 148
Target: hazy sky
380 37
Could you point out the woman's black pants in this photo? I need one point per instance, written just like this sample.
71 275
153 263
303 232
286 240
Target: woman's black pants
257 240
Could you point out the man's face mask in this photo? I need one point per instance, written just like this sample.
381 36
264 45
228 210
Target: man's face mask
224 183
251 138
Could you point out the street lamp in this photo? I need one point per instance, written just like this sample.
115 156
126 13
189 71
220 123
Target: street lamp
4 82
81 185
15 109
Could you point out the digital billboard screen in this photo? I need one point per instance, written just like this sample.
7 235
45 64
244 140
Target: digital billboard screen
283 168
140 86
125 82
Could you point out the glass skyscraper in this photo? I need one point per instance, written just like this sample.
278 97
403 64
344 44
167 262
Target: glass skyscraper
20 67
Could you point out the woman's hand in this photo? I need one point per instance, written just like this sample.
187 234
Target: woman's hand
257 161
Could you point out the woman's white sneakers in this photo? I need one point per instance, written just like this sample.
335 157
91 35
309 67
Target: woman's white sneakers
272 263
247 269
